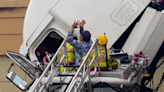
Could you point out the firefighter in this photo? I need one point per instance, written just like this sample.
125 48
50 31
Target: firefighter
102 41
70 54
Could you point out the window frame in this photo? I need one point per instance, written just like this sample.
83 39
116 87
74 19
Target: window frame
30 74
39 40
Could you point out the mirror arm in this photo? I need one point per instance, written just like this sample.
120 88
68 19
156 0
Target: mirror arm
10 67
28 86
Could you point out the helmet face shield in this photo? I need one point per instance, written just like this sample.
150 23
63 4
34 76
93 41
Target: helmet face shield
102 40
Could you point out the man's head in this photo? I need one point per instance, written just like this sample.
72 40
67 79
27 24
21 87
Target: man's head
85 36
102 40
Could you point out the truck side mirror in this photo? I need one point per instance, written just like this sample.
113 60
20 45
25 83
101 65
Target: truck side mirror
18 81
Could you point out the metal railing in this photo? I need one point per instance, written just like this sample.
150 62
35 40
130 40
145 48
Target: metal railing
78 80
83 73
37 85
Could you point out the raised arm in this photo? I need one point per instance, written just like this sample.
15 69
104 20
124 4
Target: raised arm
81 30
82 26
73 42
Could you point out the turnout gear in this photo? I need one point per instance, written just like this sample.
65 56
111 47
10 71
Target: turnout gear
102 60
70 54
103 55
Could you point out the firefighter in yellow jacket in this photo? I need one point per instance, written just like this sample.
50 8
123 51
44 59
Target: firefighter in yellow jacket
102 41
70 53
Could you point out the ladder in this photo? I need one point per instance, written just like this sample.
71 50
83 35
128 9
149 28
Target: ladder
83 73
54 69
38 86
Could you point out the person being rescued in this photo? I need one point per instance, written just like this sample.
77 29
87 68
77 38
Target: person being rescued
101 47
70 54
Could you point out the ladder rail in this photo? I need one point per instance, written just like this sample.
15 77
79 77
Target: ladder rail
83 73
36 83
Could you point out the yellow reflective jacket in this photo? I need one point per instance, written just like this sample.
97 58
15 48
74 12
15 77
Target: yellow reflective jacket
102 60
70 53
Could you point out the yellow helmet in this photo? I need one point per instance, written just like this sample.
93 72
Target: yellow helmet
102 40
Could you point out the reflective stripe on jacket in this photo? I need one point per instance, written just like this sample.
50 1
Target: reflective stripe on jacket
70 53
62 69
102 60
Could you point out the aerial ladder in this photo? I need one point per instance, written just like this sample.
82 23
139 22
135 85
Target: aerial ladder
69 81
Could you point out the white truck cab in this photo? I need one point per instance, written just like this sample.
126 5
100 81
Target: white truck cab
109 16
46 26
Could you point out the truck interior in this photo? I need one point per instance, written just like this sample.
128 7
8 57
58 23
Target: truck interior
50 44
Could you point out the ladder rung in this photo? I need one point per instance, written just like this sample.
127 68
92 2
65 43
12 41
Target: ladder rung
65 75
60 84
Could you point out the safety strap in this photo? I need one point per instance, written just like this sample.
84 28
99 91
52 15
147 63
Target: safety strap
102 64
103 54
100 52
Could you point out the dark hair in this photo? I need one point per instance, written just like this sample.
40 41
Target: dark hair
75 38
86 36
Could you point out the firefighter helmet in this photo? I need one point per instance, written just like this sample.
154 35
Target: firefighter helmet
102 40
